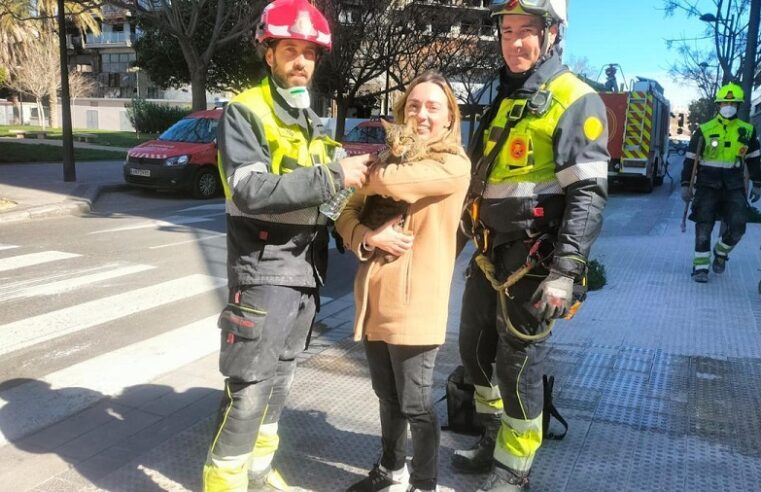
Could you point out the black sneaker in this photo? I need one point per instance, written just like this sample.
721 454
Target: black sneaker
476 459
719 263
379 480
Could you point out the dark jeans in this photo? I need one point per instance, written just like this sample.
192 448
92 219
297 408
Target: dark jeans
402 377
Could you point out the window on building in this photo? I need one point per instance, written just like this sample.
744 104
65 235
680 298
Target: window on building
116 62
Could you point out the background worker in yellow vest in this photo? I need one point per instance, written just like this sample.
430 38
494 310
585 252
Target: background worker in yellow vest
729 154
277 167
538 189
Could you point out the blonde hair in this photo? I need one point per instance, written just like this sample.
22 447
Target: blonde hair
454 110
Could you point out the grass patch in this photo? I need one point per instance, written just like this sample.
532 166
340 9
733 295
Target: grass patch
18 152
596 275
102 137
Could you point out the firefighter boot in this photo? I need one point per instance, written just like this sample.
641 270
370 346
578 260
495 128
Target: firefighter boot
479 457
269 480
719 263
700 276
504 480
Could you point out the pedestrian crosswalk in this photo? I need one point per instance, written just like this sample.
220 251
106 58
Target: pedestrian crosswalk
72 293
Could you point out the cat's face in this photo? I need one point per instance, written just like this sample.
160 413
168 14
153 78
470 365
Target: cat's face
401 139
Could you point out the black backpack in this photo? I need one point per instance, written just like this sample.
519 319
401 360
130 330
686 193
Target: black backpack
461 408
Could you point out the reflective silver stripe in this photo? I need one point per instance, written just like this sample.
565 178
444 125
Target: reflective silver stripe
522 190
690 155
755 153
582 171
243 171
304 216
719 164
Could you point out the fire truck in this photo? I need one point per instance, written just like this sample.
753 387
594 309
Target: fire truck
638 128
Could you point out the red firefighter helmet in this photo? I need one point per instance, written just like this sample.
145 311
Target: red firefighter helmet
293 19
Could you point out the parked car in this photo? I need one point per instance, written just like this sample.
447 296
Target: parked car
678 146
365 138
184 157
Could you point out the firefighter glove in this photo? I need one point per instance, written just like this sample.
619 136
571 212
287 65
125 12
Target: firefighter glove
553 297
686 193
755 193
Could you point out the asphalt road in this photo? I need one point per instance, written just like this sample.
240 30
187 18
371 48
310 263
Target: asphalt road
141 264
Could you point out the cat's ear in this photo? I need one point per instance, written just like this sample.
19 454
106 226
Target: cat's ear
411 124
386 124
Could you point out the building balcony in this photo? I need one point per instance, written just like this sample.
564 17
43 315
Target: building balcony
110 40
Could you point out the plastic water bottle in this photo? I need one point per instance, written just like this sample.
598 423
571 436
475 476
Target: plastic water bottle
333 207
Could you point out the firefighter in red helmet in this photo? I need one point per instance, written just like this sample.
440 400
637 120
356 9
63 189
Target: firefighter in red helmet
277 166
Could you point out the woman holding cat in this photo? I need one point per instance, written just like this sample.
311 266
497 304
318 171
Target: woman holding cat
402 305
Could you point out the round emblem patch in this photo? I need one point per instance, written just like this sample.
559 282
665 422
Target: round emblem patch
593 128
518 149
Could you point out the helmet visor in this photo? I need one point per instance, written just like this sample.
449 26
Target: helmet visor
543 8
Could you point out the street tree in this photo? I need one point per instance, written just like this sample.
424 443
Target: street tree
201 27
380 46
37 67
726 29
700 111
231 69
28 21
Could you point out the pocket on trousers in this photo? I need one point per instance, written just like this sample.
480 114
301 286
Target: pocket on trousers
241 325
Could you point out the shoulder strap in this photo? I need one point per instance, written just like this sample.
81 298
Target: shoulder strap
486 162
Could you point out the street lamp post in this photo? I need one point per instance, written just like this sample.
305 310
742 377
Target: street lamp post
69 167
749 59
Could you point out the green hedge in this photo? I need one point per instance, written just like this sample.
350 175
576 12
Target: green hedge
148 117
596 275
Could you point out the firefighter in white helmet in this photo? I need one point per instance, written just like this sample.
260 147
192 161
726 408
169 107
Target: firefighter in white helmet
721 153
538 190
277 166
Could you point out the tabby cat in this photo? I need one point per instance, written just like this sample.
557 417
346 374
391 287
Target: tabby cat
404 146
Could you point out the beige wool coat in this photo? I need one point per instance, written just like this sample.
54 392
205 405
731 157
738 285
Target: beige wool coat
406 301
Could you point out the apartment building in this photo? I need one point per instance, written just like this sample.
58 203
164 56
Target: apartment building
108 57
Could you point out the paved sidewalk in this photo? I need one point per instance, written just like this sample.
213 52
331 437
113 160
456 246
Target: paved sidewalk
659 378
36 190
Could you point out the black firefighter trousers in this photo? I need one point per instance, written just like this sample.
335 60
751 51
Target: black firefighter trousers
519 364
263 328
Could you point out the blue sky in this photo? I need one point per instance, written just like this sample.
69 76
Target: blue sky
632 34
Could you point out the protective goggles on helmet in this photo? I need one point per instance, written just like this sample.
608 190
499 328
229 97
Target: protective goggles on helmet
554 10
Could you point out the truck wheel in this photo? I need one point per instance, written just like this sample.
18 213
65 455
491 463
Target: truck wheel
206 183
657 179
647 184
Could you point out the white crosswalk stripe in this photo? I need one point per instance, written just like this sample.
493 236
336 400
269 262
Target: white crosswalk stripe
64 282
32 259
37 329
7 246
70 390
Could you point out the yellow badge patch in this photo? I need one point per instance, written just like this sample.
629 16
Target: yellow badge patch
593 128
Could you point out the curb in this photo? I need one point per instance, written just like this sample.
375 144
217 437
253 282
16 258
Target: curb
70 206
